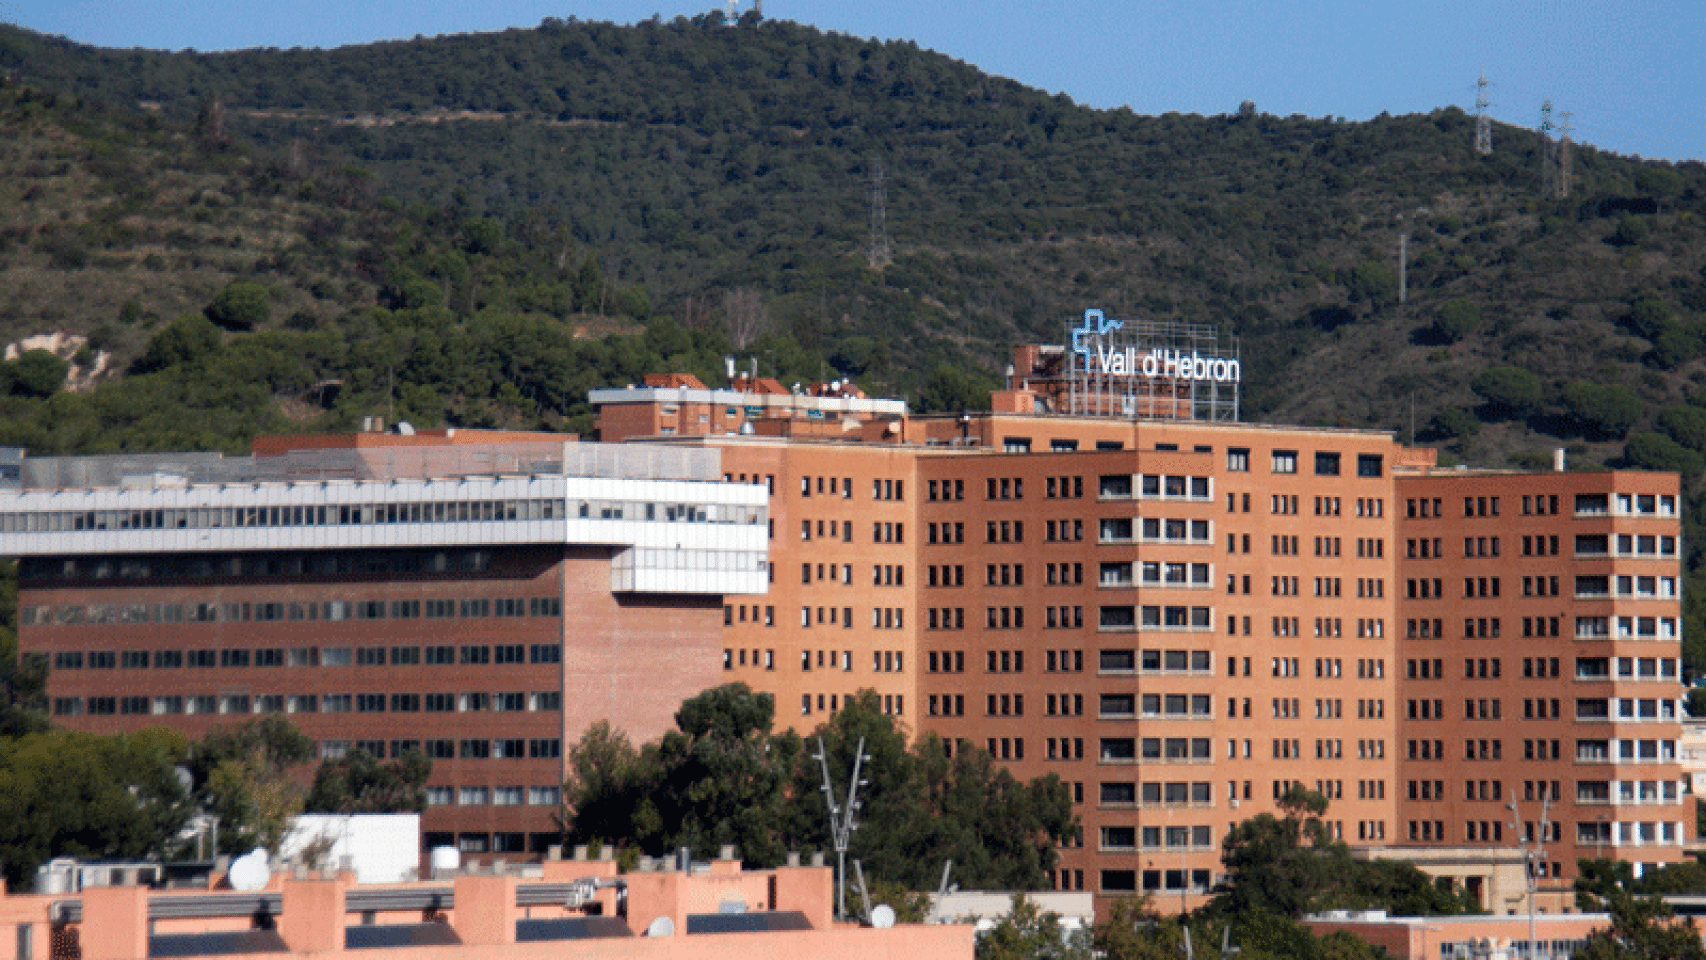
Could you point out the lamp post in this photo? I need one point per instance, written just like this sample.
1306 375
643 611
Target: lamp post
1533 848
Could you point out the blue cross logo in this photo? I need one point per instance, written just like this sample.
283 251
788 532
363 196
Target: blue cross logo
1096 323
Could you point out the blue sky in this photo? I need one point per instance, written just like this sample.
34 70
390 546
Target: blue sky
1633 73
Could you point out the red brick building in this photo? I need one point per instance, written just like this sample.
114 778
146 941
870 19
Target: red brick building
1109 578
482 603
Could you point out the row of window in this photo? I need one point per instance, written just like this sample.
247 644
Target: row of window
1153 749
1327 463
438 795
882 574
368 514
442 655
1621 832
268 612
1153 486
892 704
1124 838
254 566
1587 668
1151 530
882 618
237 704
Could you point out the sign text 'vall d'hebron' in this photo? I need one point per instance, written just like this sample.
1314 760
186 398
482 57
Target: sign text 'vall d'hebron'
1109 357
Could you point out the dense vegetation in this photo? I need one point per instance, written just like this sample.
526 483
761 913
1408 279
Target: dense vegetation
724 777
726 173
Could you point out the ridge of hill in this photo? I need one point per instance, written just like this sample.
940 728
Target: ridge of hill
702 161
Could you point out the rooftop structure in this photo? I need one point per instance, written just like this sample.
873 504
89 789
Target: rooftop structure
575 908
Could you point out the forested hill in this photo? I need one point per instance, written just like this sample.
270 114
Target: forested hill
436 228
727 173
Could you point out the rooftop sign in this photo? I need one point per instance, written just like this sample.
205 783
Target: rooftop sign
1113 356
1152 369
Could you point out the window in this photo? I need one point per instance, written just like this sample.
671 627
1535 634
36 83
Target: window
1369 464
1238 460
1326 464
1284 461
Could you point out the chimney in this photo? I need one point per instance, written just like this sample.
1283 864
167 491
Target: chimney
1558 460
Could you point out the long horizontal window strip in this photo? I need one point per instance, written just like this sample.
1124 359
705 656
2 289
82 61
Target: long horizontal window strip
227 704
256 566
245 658
269 611
369 514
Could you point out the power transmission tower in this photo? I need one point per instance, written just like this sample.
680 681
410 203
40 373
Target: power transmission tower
878 254
1565 128
1404 222
1548 159
1483 123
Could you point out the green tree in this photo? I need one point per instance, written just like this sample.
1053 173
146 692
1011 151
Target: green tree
1649 317
1511 393
1280 865
1686 425
359 783
1602 410
37 373
74 794
1655 451
1001 832
1375 284
1696 703
246 776
608 795
1290 865
184 340
721 782
951 389
1027 932
1632 231
242 305
1455 319
1642 928
1453 423
23 676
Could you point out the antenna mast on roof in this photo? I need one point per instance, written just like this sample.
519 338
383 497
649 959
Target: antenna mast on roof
1483 123
1565 128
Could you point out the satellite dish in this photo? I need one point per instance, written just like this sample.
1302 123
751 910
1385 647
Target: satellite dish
882 916
250 871
661 927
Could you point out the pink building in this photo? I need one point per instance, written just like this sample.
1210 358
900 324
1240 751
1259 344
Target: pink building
576 909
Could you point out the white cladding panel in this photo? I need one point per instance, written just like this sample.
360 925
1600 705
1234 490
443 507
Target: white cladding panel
688 517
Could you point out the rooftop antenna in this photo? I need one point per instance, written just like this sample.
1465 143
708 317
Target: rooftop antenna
843 819
1483 123
878 255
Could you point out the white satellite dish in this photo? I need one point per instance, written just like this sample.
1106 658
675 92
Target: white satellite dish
882 916
661 927
250 872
